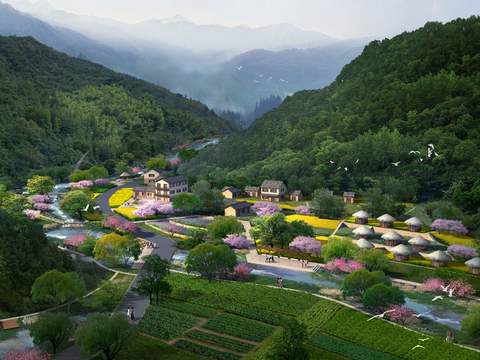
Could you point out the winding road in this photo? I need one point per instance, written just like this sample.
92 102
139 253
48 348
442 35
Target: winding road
165 247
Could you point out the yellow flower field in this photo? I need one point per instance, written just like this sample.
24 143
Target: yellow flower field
454 239
315 221
120 197
127 212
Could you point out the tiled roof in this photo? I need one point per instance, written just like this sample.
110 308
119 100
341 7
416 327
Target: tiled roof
272 184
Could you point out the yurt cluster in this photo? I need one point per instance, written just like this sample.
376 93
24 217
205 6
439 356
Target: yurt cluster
403 244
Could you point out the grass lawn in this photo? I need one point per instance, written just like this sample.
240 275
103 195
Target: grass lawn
143 347
314 221
120 196
455 239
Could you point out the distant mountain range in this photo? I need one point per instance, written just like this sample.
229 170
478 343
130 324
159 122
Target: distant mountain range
227 68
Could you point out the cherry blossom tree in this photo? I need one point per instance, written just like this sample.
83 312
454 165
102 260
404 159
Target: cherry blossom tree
242 272
461 251
303 210
128 227
433 285
111 222
151 208
32 354
32 214
76 240
102 182
343 265
42 207
461 288
453 226
136 170
82 184
306 244
399 314
263 208
237 241
40 199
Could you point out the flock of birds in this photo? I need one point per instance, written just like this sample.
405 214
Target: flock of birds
431 154
446 289
261 76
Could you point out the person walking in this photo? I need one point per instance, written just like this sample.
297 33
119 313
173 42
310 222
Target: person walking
129 313
132 314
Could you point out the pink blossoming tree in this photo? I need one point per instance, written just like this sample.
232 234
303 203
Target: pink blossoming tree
76 240
453 226
263 208
237 241
343 266
461 288
111 222
306 244
399 314
151 208
127 227
82 184
461 251
242 272
303 210
32 214
433 285
42 207
102 182
40 199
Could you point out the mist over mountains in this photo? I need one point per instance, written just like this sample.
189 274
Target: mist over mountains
227 68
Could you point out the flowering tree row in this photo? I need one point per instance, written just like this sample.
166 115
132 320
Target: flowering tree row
263 208
152 208
458 287
453 226
341 265
237 241
124 226
306 244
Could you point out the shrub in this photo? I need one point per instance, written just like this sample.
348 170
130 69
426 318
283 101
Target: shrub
306 244
237 241
339 248
461 251
453 226
222 226
356 283
471 323
343 266
211 261
380 297
42 207
32 214
40 199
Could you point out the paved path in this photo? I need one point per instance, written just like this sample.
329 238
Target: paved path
165 247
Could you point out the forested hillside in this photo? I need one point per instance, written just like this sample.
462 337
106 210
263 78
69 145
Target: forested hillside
54 108
398 96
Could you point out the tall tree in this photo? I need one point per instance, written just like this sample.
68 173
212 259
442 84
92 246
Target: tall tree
211 261
55 287
152 277
40 185
52 328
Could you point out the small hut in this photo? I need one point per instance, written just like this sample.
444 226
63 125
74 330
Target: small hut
349 197
125 175
361 217
418 243
474 265
439 258
363 243
392 238
414 224
363 232
401 252
296 195
386 220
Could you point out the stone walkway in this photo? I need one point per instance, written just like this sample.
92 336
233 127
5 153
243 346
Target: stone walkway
280 262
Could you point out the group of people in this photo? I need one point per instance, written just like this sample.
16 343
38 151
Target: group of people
131 313
151 245
269 258
304 263
280 282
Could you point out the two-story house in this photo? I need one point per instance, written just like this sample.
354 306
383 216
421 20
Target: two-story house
163 189
168 188
273 190
151 176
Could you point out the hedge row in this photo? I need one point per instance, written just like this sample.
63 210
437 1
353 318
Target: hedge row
226 343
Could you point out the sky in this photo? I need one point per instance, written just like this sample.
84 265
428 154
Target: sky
337 18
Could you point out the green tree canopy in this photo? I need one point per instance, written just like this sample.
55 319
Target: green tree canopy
374 260
55 287
40 185
158 162
211 261
337 248
222 226
325 205
53 329
74 202
471 323
380 297
356 283
105 334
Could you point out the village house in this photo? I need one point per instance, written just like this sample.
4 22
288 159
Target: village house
272 190
230 192
238 209
151 176
348 197
163 190
252 191
296 195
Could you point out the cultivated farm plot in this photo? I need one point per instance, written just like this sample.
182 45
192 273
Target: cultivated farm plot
203 330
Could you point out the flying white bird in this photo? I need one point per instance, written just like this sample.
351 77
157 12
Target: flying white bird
414 152
345 168
421 159
422 314
356 161
239 68
396 163
439 297
450 292
431 146
255 81
424 339
332 162
445 288
429 152
283 80
87 207
436 154
96 207
418 347
380 316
